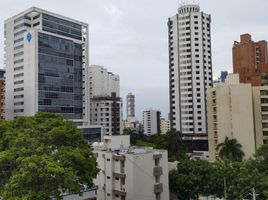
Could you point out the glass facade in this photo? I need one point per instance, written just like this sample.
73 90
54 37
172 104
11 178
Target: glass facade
61 27
60 85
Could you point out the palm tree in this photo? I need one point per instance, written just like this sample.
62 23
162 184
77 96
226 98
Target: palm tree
230 149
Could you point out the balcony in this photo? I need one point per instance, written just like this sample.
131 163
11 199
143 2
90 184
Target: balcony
158 171
158 188
120 193
119 157
119 175
157 156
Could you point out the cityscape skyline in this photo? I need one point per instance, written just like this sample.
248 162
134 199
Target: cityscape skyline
122 50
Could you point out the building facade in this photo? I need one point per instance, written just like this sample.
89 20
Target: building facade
260 99
250 60
190 69
130 173
105 100
106 112
46 59
103 82
130 105
164 125
151 122
237 110
2 94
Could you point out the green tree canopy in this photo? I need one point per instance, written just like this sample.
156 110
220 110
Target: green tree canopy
43 155
230 149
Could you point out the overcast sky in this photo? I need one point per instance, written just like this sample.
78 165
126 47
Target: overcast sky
129 37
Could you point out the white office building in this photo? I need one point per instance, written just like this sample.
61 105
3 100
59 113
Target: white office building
190 70
105 100
130 173
46 59
151 122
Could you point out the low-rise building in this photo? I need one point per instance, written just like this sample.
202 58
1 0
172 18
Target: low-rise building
130 173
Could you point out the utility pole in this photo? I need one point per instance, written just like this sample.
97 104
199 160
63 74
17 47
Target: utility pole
253 194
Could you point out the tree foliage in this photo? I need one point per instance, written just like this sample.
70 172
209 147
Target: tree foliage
43 155
230 149
194 178
171 141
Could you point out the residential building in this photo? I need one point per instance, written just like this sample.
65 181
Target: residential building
236 110
46 63
151 122
190 71
105 100
103 82
2 94
164 125
130 105
106 111
250 60
130 173
260 99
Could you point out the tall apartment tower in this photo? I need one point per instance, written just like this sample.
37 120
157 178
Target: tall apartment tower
250 60
46 60
151 122
190 70
130 105
105 100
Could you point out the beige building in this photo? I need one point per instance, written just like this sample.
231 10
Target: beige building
230 113
164 125
260 98
130 173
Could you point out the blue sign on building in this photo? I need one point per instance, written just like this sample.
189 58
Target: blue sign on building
29 37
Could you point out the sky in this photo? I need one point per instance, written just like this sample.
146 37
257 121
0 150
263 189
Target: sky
129 37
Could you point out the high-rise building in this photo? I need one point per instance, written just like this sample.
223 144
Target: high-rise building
103 82
250 60
164 125
130 105
130 173
46 63
227 116
105 102
151 122
2 94
190 70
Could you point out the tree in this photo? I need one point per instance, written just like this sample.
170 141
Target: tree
261 159
191 179
230 149
42 156
194 178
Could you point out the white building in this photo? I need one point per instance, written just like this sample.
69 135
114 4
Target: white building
151 122
130 173
46 59
105 101
190 71
103 82
164 125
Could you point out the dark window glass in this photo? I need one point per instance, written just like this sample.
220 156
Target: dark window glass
60 81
